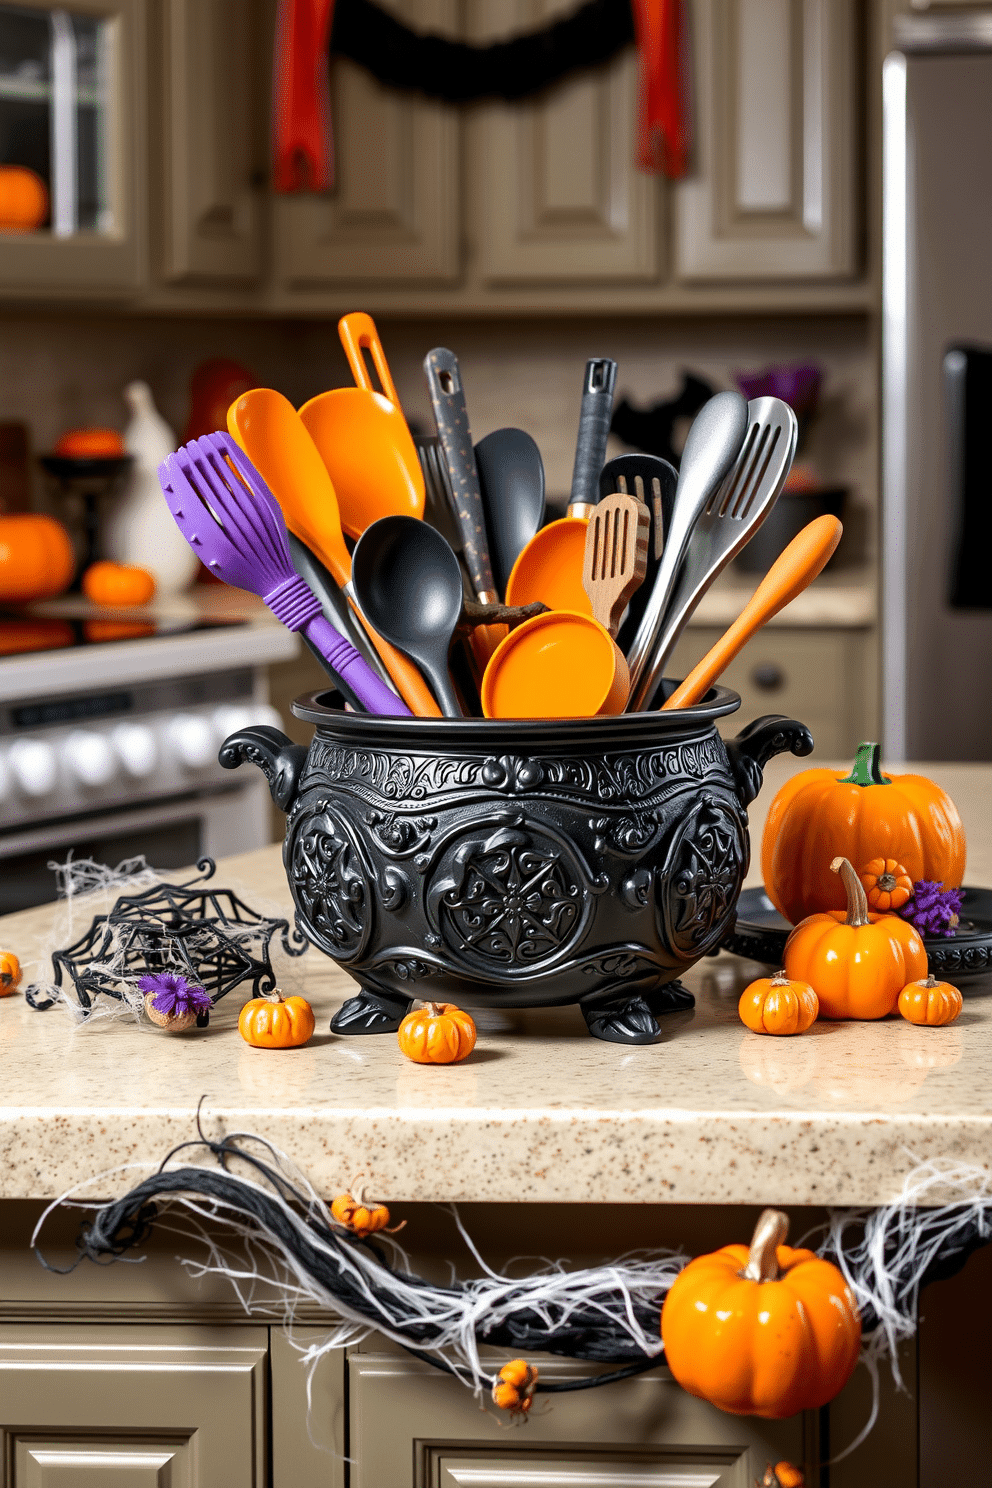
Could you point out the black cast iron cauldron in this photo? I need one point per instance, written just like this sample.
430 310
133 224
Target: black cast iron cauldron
517 864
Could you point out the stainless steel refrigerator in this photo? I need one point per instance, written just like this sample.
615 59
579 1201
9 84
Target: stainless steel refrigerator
937 389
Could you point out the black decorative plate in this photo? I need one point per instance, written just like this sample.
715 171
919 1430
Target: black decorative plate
760 934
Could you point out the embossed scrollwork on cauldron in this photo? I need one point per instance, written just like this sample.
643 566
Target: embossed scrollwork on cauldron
400 836
698 886
508 900
513 774
330 884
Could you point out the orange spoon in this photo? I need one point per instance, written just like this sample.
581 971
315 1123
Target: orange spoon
793 570
363 437
558 665
272 435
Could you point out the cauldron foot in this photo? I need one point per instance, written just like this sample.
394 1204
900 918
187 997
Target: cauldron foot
631 1018
370 1012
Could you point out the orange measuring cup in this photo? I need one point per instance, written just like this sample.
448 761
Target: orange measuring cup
363 436
557 665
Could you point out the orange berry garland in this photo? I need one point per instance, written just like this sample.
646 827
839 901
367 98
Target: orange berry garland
777 1005
436 1033
514 1386
887 884
362 1217
930 1002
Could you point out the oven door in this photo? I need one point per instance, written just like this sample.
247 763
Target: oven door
169 834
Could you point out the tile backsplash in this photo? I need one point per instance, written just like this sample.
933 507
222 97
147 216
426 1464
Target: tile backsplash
62 371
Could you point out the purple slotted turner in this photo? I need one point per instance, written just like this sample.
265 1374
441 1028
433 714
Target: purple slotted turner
236 528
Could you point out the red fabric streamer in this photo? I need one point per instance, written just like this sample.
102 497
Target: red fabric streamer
664 124
302 149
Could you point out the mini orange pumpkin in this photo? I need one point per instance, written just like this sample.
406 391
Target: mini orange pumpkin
858 963
23 199
10 973
931 1002
514 1386
776 1005
89 444
436 1033
118 584
276 1022
363 1217
887 884
782 1475
762 1331
36 558
819 815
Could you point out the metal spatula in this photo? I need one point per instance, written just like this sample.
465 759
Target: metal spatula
732 514
616 556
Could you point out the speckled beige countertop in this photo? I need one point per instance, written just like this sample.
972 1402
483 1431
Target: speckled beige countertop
541 1111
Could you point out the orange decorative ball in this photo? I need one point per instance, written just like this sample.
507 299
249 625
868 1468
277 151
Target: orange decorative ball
930 1002
10 973
276 1022
36 558
118 584
857 963
89 444
23 199
514 1386
819 815
360 1217
436 1033
776 1005
887 885
761 1331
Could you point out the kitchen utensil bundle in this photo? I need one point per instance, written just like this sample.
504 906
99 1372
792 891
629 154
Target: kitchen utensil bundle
446 531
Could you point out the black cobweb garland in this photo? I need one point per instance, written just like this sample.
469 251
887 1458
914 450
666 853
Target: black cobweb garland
605 1314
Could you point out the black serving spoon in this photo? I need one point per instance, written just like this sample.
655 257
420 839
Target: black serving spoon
511 478
409 585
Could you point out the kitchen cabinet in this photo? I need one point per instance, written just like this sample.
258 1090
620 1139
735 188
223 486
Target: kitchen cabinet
558 199
393 215
211 181
774 192
73 108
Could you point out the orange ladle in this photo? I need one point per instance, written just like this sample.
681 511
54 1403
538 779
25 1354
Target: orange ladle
794 569
273 436
363 437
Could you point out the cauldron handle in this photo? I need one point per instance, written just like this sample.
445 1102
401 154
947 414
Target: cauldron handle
279 759
755 745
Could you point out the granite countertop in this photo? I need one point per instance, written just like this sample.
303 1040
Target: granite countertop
540 1112
841 599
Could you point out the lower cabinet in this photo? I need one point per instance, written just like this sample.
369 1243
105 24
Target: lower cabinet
136 1407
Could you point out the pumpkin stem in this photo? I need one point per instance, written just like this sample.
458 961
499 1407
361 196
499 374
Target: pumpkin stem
887 882
857 899
275 996
930 982
780 979
769 1234
866 769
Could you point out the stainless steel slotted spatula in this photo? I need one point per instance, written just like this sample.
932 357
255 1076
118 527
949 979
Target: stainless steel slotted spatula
731 515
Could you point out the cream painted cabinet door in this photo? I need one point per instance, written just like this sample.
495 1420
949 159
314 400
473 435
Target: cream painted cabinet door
136 1407
393 215
412 1427
774 189
556 195
211 196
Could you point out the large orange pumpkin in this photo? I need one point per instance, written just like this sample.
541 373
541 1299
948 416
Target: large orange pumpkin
819 815
761 1331
23 199
36 558
858 963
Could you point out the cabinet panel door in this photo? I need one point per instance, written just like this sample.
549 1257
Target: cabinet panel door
558 197
309 1438
393 214
412 1427
773 190
212 210
129 1407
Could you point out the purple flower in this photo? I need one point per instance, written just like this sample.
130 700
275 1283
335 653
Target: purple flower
933 910
174 996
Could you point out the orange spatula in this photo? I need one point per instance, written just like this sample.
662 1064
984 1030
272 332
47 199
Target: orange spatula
363 437
273 436
792 572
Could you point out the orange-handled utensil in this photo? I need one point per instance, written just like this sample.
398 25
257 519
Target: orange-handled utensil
274 437
363 437
792 572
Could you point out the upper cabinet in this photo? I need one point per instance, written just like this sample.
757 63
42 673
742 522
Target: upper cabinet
773 194
72 110
394 214
557 199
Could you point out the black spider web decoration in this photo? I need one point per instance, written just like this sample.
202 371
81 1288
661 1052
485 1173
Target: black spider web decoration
208 935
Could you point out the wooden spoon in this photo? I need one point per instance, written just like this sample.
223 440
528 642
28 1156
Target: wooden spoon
792 572
616 556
